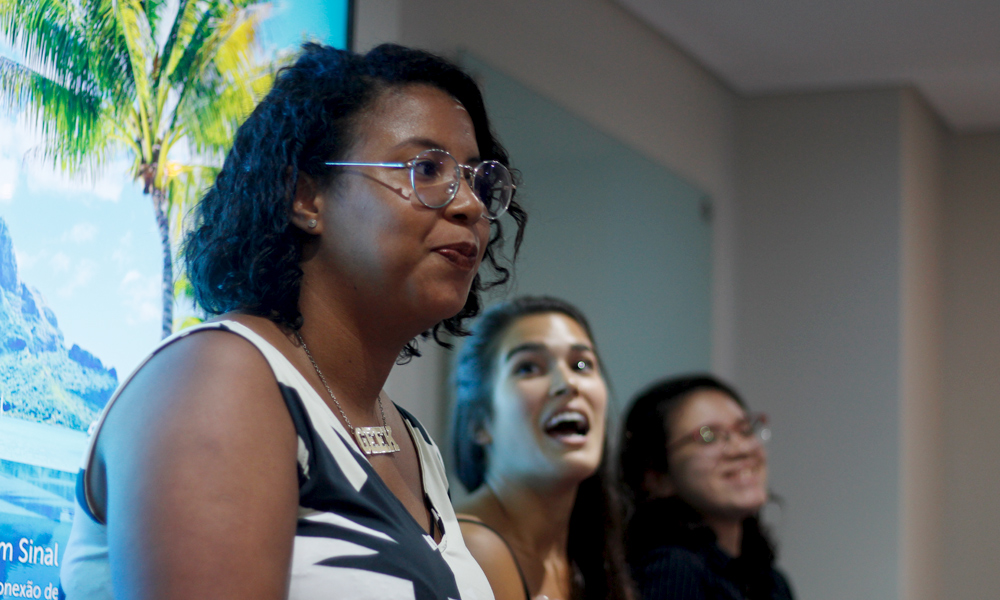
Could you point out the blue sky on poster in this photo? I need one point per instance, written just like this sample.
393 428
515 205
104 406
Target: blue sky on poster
91 247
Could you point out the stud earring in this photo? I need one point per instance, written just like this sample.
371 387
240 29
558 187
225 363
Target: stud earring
483 437
312 223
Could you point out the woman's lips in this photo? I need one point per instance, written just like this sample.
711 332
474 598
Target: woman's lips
745 474
463 255
568 426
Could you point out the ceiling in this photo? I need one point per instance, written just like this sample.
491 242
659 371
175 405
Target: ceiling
949 50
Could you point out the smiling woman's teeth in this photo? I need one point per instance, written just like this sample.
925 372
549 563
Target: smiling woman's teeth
567 423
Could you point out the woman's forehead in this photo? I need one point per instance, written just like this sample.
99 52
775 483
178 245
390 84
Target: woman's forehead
706 406
548 328
421 116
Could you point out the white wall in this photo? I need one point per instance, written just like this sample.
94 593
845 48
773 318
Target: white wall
818 331
585 55
921 369
972 367
840 304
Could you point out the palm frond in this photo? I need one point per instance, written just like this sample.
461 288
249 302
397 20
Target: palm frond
185 22
224 23
39 28
187 184
153 11
188 321
235 39
62 154
134 27
56 111
108 51
51 40
214 110
186 66
229 85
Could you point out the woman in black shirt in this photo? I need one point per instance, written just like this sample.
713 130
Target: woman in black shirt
695 471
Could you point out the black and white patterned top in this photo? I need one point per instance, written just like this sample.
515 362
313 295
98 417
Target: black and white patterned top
353 535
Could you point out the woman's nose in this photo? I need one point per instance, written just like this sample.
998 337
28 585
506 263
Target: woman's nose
738 444
563 382
466 206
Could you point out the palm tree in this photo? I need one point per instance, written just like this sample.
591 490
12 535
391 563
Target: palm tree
165 83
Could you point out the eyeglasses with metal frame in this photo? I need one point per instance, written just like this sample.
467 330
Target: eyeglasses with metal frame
753 426
435 176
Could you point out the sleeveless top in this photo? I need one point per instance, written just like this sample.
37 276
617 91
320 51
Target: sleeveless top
354 539
520 573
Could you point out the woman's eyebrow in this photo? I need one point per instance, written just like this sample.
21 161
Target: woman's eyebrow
430 144
537 347
525 347
739 421
419 141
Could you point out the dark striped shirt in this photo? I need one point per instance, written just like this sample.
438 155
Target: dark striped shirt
677 573
673 555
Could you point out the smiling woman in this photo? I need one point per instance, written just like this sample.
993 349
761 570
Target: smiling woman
256 455
529 431
695 472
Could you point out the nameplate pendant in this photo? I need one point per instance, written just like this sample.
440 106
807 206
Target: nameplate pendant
376 440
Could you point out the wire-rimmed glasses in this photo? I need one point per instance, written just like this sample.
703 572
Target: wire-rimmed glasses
436 175
715 435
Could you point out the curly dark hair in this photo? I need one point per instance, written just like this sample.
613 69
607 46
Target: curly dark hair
243 253
595 550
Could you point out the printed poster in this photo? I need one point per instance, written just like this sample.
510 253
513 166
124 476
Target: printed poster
83 248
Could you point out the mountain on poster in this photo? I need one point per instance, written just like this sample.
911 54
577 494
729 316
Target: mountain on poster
41 380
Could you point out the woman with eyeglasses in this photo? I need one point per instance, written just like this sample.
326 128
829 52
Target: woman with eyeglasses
695 473
528 431
256 455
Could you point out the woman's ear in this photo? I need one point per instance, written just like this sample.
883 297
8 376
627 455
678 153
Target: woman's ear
658 485
483 437
307 204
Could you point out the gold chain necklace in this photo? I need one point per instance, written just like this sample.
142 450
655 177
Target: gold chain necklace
371 440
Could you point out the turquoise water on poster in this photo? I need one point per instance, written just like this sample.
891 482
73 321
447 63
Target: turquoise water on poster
79 308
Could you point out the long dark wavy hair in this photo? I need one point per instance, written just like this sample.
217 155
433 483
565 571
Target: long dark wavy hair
594 547
243 253
644 449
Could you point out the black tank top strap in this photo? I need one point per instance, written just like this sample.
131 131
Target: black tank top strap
520 573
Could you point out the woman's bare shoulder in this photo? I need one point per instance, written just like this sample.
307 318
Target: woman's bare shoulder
494 556
206 371
197 462
211 389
